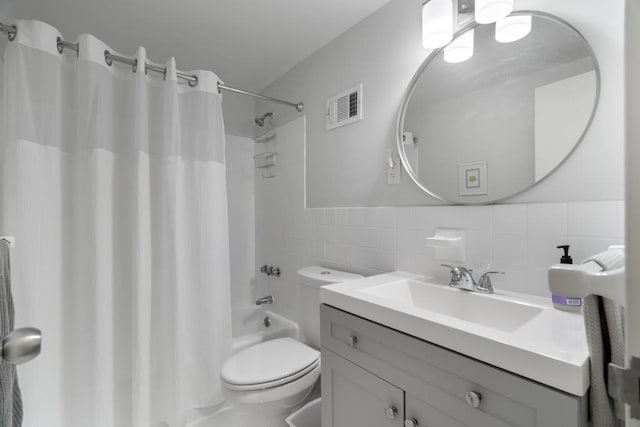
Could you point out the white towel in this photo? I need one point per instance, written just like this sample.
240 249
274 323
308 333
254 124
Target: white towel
604 324
10 397
608 260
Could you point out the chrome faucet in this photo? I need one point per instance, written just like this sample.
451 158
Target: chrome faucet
265 300
462 278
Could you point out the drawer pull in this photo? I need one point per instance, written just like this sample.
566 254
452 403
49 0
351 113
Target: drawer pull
391 412
473 398
411 422
353 340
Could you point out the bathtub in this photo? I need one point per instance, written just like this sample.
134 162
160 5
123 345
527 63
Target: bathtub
248 327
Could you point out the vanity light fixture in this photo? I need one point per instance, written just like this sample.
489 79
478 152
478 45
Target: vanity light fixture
460 49
513 28
437 23
488 11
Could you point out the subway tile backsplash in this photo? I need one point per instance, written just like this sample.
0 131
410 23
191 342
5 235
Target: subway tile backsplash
518 239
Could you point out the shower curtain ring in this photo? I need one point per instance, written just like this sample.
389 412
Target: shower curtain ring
194 82
107 58
59 44
135 65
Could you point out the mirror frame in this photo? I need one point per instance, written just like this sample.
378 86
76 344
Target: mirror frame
416 77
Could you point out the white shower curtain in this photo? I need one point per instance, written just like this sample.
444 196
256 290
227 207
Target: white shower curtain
113 183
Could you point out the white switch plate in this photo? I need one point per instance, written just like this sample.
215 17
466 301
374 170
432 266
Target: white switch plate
393 174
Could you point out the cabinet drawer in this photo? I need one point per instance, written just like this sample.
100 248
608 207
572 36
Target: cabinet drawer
443 377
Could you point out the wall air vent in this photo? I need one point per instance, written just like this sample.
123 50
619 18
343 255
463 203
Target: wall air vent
344 108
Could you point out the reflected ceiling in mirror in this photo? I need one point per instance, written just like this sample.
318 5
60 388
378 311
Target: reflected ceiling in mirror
492 126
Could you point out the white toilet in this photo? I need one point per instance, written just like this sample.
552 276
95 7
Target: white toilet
274 377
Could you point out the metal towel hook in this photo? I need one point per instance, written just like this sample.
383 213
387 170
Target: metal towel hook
9 240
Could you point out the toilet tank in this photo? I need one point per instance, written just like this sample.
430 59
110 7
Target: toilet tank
310 279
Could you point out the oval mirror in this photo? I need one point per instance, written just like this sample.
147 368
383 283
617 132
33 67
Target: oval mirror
495 124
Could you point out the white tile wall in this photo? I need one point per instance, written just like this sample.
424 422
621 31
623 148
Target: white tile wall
519 239
241 196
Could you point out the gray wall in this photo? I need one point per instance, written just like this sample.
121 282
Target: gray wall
346 166
238 112
241 202
7 11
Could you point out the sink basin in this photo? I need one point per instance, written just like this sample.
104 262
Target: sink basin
486 310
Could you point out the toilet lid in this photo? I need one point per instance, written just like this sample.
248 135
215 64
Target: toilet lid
268 362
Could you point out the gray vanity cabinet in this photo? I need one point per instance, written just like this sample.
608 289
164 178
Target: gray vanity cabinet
357 397
369 369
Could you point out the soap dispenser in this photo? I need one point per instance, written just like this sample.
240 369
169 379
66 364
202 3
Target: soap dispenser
561 302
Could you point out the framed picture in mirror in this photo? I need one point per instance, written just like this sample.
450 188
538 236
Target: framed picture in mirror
473 178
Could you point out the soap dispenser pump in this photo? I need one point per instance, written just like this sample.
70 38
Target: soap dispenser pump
565 259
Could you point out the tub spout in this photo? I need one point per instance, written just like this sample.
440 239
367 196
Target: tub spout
265 300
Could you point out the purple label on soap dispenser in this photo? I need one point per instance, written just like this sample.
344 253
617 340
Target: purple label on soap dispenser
569 301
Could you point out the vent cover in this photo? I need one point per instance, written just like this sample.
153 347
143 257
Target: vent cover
344 108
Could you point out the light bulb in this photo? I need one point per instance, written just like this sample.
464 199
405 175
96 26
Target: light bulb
488 11
513 28
437 23
460 49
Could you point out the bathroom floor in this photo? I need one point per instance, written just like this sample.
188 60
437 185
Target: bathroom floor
233 416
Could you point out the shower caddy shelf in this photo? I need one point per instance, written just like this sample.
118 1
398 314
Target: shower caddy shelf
266 161
265 137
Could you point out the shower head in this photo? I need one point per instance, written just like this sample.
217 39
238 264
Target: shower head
260 120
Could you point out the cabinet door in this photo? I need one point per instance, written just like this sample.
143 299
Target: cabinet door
353 397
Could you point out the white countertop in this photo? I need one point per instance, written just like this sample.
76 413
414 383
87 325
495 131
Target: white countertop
550 348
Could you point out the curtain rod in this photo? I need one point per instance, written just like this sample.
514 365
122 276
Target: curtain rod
109 58
298 106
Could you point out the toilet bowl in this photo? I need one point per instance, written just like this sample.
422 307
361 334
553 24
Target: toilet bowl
276 377
272 377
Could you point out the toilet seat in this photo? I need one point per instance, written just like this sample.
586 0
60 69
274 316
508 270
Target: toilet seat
281 381
269 364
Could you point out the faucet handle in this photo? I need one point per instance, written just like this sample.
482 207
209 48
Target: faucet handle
484 283
453 268
455 271
460 269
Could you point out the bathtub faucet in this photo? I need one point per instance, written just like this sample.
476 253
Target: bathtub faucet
265 300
